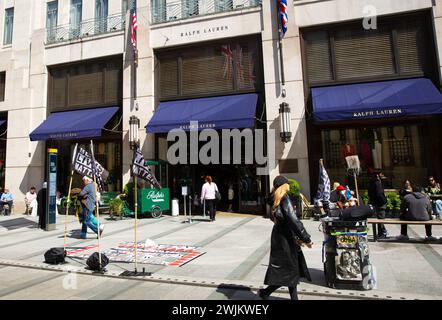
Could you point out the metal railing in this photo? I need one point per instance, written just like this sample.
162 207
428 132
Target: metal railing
86 28
183 9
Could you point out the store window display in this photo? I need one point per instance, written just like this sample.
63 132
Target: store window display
397 150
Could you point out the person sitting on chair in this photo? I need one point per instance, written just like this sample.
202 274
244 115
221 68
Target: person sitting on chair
31 201
434 191
6 199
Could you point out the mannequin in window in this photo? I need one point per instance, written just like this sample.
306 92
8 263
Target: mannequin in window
347 150
377 150
367 144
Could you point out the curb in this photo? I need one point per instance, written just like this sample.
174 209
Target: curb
217 283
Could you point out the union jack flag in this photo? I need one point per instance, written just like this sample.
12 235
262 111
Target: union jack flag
284 18
239 65
252 71
133 34
228 61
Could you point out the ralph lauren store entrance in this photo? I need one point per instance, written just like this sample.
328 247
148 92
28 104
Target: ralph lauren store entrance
216 86
84 104
396 130
374 94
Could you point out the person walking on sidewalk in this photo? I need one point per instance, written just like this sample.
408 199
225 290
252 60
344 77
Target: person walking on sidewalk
377 198
208 194
90 199
287 263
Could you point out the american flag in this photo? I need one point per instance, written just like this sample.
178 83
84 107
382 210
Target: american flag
228 61
133 34
284 18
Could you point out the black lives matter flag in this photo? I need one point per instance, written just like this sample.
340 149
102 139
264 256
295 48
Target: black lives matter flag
83 164
143 171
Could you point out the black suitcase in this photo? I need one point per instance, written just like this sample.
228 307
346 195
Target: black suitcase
357 213
93 261
55 256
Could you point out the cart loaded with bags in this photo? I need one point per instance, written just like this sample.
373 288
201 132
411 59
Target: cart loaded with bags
346 256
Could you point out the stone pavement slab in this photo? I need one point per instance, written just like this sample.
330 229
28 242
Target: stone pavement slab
237 252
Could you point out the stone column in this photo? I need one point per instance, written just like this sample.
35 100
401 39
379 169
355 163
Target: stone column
296 149
143 105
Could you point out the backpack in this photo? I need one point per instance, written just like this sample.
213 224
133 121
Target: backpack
55 255
93 261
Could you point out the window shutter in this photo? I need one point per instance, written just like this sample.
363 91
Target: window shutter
246 65
207 70
412 42
86 89
169 77
57 99
220 68
113 89
361 53
318 57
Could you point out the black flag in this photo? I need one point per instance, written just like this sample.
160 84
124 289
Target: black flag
97 171
143 171
83 165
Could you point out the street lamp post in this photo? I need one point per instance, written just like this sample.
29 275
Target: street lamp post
134 126
284 122
134 143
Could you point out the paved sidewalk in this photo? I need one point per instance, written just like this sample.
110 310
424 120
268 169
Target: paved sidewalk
236 258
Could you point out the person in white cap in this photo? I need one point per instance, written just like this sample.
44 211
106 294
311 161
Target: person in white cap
88 219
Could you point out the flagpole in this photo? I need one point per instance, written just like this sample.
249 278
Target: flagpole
356 186
96 205
136 221
281 58
67 211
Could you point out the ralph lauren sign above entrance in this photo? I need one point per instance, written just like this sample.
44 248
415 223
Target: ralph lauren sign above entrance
376 100
373 113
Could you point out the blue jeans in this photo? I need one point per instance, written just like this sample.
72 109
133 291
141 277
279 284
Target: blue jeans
7 211
90 221
437 207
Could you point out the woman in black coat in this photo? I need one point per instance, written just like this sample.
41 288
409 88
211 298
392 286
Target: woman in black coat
287 263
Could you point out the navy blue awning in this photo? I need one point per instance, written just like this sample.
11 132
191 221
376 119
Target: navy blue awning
226 112
76 124
2 122
376 100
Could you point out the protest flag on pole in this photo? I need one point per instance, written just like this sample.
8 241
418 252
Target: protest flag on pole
86 165
140 169
322 198
98 184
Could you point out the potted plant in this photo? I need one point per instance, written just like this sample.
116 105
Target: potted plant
392 203
396 206
294 194
116 207
364 197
